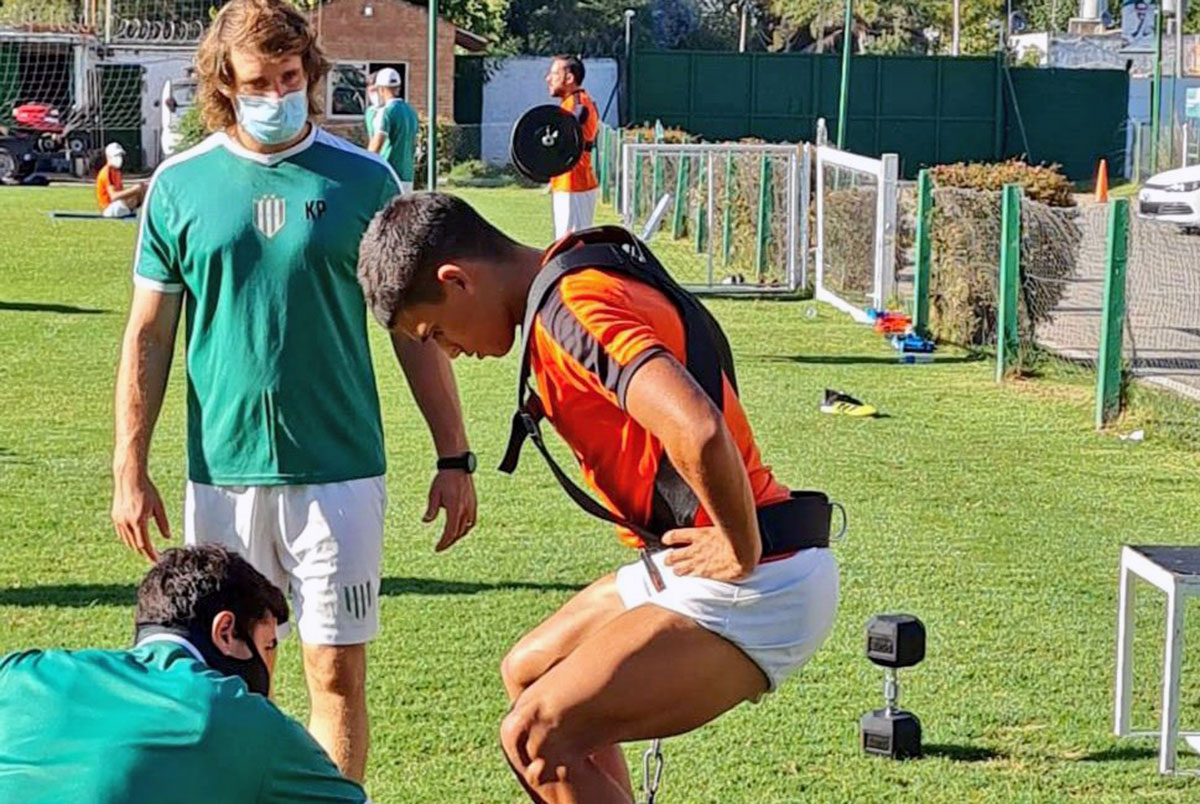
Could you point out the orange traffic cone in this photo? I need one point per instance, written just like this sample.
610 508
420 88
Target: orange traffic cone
1102 182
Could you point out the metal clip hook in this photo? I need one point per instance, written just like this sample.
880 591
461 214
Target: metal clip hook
841 534
652 772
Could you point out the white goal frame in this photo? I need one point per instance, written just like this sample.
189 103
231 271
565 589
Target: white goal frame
885 171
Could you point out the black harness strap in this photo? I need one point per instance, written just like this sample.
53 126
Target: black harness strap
801 522
614 249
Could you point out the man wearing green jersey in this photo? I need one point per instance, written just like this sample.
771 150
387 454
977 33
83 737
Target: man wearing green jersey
254 233
373 104
394 129
182 717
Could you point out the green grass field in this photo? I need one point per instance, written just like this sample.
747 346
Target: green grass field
994 513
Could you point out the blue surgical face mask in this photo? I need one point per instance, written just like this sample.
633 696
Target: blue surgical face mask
271 120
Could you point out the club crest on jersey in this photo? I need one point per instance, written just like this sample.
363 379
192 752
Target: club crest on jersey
269 214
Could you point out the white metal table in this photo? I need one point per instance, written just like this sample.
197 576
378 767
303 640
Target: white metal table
1176 571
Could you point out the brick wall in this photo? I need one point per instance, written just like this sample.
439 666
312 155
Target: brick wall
395 32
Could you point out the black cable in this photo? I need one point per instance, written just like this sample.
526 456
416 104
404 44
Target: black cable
1017 108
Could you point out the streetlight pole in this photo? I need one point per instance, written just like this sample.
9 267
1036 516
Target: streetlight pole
1156 88
629 15
742 39
956 28
1180 13
431 103
841 135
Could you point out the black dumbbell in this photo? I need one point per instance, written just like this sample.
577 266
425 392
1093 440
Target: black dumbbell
893 641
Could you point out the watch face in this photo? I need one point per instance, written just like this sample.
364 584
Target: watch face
464 462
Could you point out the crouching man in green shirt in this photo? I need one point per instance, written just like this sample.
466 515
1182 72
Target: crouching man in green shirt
182 717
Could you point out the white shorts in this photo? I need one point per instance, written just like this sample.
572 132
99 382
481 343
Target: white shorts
406 188
322 545
573 211
779 616
117 209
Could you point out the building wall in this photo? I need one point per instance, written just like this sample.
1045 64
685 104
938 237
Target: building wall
1108 52
514 85
396 31
160 65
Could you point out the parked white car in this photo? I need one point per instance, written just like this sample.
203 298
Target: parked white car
1172 196
177 97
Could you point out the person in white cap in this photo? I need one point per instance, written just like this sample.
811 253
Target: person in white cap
373 105
394 135
114 198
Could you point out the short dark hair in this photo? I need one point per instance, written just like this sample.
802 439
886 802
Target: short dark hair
189 586
574 66
410 239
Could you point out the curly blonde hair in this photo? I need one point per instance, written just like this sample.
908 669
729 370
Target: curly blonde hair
271 27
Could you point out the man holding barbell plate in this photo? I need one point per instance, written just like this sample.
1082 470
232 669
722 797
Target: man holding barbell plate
574 192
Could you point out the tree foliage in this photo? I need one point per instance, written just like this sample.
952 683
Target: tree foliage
596 27
898 26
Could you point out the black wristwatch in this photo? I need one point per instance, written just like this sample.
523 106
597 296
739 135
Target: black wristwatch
464 463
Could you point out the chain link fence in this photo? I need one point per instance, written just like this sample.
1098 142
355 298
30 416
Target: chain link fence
1062 299
731 215
1178 146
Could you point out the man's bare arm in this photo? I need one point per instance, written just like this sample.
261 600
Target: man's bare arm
146 352
431 380
129 192
377 141
663 398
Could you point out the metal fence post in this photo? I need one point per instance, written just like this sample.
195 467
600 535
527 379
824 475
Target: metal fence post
682 185
615 167
1137 152
805 199
601 162
726 219
819 194
885 233
635 210
1108 367
702 180
709 218
792 183
1007 339
763 230
656 187
924 253
626 186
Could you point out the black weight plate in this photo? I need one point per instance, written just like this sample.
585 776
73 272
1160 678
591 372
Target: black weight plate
546 142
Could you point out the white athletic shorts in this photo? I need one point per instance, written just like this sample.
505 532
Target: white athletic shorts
406 188
779 616
117 209
573 211
321 544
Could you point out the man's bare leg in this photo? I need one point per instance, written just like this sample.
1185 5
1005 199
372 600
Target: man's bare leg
647 673
551 641
337 687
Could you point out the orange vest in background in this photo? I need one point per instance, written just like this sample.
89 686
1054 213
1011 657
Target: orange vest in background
580 178
108 181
